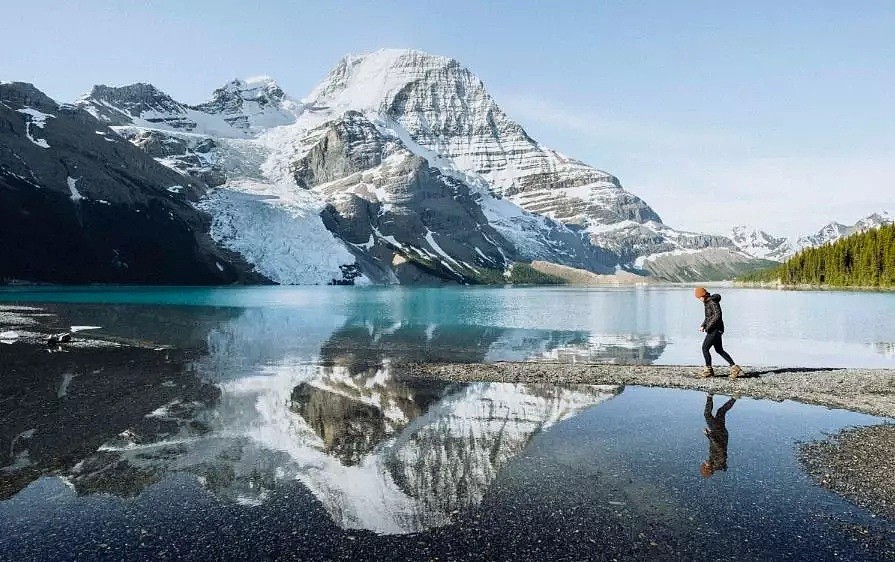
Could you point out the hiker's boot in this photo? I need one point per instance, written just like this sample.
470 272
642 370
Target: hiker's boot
735 372
707 372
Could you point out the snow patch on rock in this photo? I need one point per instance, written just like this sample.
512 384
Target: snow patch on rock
72 187
37 119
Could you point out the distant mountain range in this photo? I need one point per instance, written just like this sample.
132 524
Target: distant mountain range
399 167
760 244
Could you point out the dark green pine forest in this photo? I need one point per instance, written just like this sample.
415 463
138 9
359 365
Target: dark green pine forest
861 260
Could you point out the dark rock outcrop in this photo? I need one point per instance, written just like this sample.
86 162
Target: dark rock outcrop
80 204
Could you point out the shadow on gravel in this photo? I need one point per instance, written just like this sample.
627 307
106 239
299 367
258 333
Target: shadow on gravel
791 370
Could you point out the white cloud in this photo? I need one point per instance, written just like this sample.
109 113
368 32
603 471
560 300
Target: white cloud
711 180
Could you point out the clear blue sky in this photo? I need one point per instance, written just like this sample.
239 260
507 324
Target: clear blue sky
777 114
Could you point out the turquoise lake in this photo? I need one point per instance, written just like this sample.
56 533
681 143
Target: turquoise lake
623 325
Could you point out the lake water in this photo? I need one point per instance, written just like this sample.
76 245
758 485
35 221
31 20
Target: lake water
625 325
278 427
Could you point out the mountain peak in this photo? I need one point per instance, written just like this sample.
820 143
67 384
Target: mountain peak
251 104
120 105
879 218
369 80
25 94
251 87
759 244
259 80
394 55
137 90
835 230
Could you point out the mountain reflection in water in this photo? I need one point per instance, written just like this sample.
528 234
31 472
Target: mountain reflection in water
380 453
284 396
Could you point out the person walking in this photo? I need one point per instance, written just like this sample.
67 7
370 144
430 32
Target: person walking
713 326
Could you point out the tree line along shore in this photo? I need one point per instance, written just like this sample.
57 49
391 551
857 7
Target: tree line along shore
861 261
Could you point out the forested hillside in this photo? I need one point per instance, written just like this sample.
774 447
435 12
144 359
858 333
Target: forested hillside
861 260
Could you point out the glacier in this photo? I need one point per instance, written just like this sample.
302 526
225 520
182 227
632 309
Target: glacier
278 230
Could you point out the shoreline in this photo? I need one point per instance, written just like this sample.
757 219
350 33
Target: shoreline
824 288
870 391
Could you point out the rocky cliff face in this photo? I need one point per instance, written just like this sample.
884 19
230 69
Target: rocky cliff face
392 208
122 106
79 204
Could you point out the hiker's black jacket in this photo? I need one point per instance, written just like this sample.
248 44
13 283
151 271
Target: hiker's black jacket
714 321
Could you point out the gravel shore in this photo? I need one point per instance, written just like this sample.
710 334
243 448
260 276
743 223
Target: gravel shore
871 391
857 463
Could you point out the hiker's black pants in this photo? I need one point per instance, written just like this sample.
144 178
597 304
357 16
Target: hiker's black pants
713 339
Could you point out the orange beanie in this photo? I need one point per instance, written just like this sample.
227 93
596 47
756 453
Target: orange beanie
700 292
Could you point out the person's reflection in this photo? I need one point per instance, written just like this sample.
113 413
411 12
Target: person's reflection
717 434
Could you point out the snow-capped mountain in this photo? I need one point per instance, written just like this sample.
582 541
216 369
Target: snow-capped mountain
252 105
446 111
239 109
417 170
444 108
834 231
760 244
399 167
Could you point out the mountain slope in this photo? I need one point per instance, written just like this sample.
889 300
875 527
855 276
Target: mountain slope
79 204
